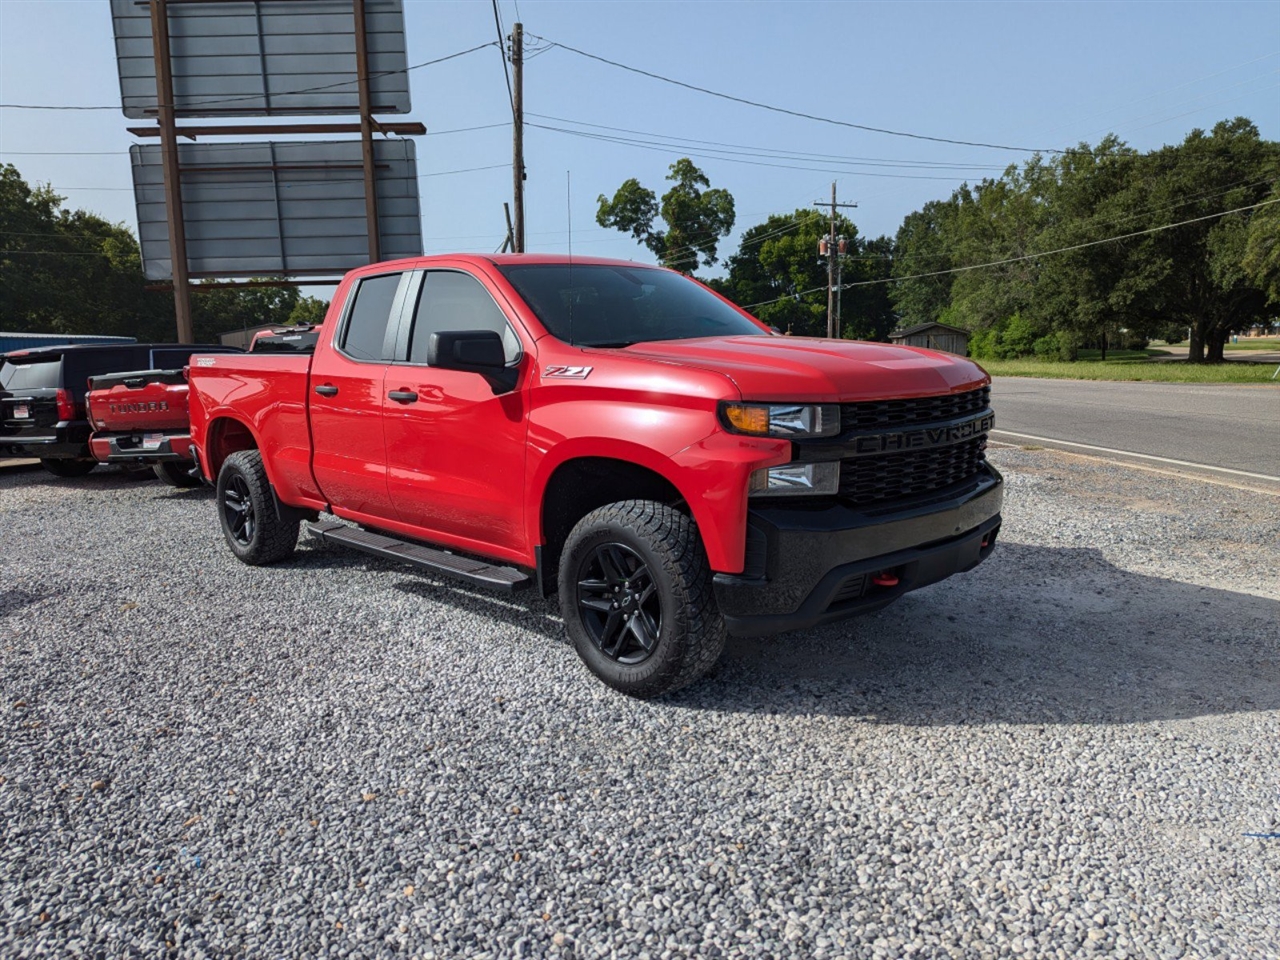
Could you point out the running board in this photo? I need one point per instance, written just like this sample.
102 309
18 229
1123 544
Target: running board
429 559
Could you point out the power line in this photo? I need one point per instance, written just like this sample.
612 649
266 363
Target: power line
1029 256
795 113
506 71
751 150
640 145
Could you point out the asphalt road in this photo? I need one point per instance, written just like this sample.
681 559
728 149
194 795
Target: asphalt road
1222 425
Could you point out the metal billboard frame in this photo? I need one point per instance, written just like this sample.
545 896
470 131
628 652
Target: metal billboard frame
168 131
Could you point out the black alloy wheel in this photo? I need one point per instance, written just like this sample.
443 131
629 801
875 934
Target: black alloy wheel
237 508
619 603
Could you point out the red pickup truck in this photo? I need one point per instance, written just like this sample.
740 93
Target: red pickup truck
615 433
139 419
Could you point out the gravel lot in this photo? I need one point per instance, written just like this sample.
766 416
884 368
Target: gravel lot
1057 755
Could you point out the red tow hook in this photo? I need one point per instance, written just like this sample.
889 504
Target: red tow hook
884 579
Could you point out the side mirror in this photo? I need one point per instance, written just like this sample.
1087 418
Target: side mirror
473 351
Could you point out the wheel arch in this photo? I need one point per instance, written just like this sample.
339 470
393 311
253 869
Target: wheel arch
225 436
580 484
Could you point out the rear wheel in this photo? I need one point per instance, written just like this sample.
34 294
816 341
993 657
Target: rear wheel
69 468
176 473
635 592
247 511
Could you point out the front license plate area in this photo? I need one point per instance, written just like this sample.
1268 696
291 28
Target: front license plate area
21 411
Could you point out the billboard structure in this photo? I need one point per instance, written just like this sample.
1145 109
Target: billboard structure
277 209
266 58
269 58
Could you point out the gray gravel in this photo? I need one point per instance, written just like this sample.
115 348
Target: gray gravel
1057 755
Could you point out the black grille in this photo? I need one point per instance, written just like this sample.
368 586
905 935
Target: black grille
893 476
873 414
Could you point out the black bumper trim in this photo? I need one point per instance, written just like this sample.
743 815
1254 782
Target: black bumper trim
821 558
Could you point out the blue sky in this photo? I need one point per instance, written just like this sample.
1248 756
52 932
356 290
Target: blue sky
1038 75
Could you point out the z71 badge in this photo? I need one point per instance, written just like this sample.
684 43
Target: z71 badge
557 372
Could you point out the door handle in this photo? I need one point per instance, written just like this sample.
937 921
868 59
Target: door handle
327 390
403 396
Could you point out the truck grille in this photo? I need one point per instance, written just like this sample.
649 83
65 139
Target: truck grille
874 414
893 476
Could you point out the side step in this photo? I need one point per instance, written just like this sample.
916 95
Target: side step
436 561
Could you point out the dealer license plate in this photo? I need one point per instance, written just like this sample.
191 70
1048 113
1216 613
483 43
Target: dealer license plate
21 411
152 441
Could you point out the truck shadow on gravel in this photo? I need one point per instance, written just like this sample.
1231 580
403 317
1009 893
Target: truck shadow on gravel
1035 635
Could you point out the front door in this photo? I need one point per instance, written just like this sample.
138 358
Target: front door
345 392
455 451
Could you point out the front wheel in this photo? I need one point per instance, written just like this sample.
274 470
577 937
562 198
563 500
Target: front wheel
635 592
247 511
68 468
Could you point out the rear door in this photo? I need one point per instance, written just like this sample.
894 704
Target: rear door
456 452
349 453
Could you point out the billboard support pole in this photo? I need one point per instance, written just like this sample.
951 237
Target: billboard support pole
172 171
366 133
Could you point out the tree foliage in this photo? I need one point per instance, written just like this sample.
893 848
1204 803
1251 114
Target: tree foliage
70 271
778 266
696 217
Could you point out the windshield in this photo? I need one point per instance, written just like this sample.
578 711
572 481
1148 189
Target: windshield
614 306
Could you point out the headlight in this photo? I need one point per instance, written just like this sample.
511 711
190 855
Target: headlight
792 479
788 420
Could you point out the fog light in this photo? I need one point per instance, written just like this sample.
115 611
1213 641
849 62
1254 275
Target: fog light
793 479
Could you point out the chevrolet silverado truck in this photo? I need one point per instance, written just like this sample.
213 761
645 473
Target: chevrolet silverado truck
139 419
616 434
43 408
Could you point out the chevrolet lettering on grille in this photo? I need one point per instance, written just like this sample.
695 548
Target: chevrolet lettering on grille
924 439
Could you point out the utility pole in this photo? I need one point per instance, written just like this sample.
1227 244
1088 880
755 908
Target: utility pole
834 246
366 134
172 171
517 129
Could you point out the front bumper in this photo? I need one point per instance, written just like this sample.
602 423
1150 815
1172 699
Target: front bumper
812 564
129 448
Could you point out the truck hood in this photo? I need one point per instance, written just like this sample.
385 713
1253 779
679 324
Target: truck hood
805 368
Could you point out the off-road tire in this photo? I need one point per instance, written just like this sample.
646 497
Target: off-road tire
265 538
68 468
176 473
692 631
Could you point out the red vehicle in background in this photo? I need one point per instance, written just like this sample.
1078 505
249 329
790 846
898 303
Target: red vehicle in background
139 419
615 433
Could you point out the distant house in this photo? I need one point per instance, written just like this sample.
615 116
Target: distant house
935 336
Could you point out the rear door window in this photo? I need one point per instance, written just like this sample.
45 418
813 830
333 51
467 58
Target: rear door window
365 335
44 375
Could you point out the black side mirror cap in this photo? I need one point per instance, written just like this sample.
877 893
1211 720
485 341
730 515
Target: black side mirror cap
473 351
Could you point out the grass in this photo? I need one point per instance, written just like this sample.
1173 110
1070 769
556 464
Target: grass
1271 344
1136 367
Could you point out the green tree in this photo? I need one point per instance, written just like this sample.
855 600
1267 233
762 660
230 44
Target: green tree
780 275
1262 247
924 245
1196 271
69 271
308 310
695 215
218 310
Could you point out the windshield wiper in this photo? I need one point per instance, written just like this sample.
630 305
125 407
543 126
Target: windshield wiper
609 343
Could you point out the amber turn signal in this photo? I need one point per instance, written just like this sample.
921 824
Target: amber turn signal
747 418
